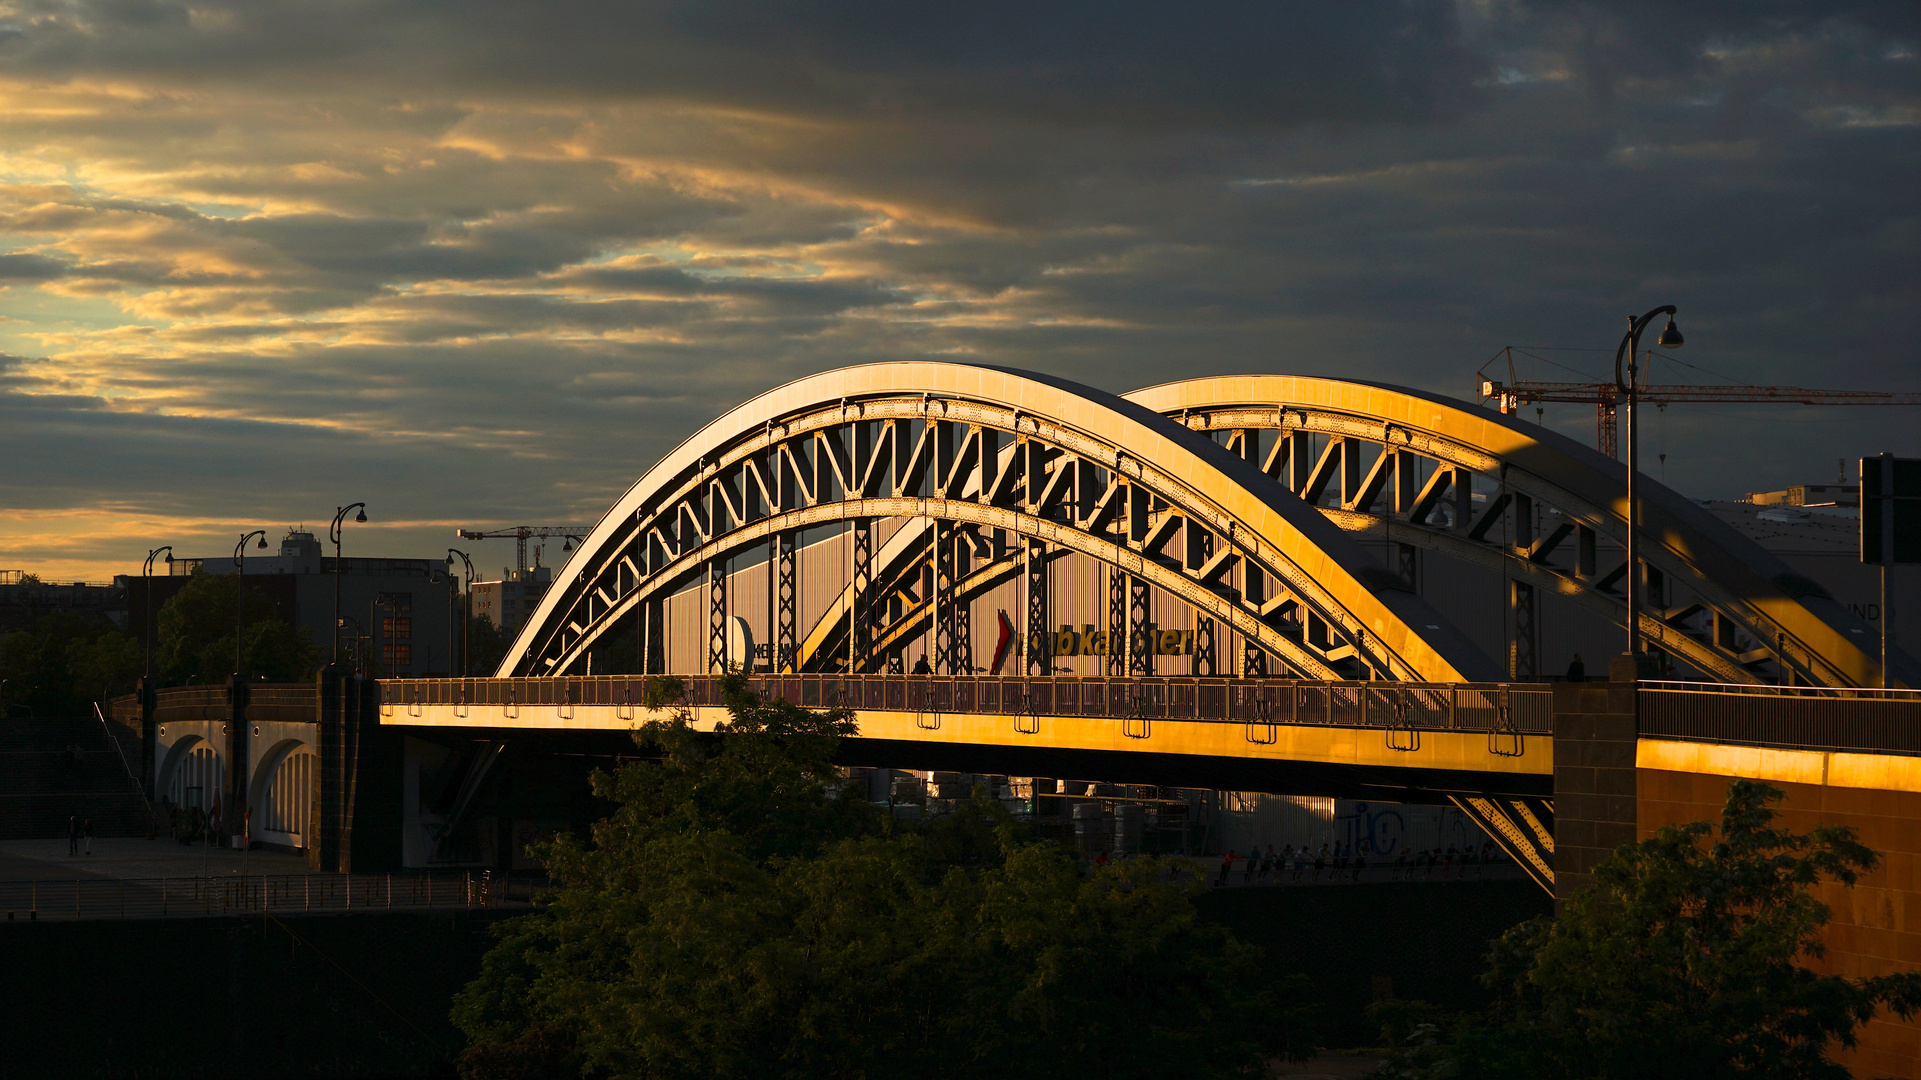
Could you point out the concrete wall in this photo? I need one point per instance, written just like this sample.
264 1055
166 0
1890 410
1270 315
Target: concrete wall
1876 926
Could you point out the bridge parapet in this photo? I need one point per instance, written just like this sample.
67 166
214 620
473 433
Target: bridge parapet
1491 707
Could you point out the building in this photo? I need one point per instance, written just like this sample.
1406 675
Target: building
1823 544
1809 495
25 599
401 610
511 599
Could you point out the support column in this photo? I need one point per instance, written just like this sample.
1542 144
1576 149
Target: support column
1140 644
1407 565
963 611
1524 643
717 615
1039 646
149 742
1254 591
859 617
943 598
786 620
233 820
357 801
1595 781
1116 622
656 662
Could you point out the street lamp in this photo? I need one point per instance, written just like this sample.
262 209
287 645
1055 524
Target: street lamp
466 650
333 533
1630 345
239 591
146 574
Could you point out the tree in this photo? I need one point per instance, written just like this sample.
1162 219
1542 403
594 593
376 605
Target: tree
734 918
488 645
65 662
195 635
1684 958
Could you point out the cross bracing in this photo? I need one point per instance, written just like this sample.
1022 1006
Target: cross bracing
1396 465
1247 501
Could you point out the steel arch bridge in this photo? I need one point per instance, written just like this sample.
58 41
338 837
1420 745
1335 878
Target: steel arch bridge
1246 503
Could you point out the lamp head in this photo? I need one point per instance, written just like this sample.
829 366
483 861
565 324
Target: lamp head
362 516
1670 336
169 558
569 545
262 545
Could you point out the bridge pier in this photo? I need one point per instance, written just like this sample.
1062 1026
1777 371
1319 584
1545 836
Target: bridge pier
1595 778
357 805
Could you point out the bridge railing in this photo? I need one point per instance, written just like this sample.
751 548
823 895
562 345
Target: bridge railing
199 897
1798 718
1519 707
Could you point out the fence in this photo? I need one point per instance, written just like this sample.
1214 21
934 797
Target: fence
1804 718
201 897
1519 707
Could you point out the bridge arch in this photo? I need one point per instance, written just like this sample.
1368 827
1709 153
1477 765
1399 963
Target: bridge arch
280 791
1390 463
193 773
1008 468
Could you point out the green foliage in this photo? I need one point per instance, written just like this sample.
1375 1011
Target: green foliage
195 636
1684 958
64 663
487 645
733 918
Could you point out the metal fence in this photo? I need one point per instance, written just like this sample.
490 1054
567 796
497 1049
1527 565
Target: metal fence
1801 718
200 897
1521 707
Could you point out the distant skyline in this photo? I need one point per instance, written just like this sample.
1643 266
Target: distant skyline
481 265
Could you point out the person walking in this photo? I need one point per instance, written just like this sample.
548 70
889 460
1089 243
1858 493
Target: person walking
1357 862
1576 671
1253 864
73 835
1400 863
87 832
1227 867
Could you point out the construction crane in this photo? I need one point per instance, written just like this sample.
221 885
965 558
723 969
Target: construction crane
1604 396
521 533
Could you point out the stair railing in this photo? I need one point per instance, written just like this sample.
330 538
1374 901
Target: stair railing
121 753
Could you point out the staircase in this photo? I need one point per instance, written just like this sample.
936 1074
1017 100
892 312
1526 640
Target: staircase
51 770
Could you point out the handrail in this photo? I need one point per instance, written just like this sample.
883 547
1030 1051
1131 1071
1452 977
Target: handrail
121 753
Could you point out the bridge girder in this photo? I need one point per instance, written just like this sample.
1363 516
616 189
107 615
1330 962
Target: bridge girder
1035 458
1758 612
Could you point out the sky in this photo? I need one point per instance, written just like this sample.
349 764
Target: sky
481 264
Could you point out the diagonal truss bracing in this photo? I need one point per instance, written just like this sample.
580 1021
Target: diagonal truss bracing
1054 467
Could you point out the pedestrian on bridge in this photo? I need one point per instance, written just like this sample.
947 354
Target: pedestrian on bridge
1253 864
73 835
1577 671
87 831
1227 867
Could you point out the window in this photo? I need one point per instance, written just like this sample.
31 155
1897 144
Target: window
399 603
397 629
396 655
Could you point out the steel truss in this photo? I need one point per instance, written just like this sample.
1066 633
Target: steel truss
1413 487
975 468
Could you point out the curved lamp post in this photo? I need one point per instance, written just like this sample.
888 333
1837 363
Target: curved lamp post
333 533
147 619
239 591
466 651
1630 346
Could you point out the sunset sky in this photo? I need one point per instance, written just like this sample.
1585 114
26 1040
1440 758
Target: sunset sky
480 264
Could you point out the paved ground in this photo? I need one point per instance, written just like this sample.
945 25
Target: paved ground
26 860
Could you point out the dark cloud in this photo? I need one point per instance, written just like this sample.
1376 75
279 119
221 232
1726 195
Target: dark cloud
489 262
24 267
